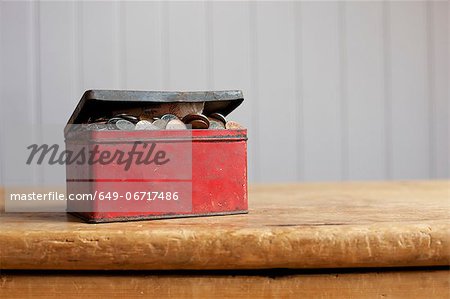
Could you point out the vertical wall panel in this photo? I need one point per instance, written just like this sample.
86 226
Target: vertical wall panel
298 91
409 94
387 92
255 135
230 65
142 45
57 68
186 46
321 101
17 86
364 89
99 45
2 102
276 89
439 53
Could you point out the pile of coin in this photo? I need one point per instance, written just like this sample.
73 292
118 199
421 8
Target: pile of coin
128 122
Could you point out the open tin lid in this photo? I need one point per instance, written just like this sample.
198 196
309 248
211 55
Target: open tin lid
96 103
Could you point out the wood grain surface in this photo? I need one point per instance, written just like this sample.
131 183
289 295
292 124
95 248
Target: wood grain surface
426 283
334 225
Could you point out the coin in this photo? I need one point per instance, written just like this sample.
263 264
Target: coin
124 125
175 124
190 117
215 124
219 117
111 126
168 117
128 117
113 120
197 121
160 124
145 125
199 124
232 125
111 123
97 127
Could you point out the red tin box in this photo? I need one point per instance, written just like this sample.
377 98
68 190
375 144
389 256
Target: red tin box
206 169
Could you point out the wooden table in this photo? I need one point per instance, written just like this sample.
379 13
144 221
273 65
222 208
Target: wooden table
297 226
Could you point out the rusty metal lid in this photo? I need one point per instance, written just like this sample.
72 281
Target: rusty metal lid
97 102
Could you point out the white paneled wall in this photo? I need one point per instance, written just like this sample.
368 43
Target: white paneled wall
334 90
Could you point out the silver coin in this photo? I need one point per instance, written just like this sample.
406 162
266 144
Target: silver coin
145 125
111 126
215 124
113 120
175 124
97 127
128 117
124 125
160 124
111 123
168 117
